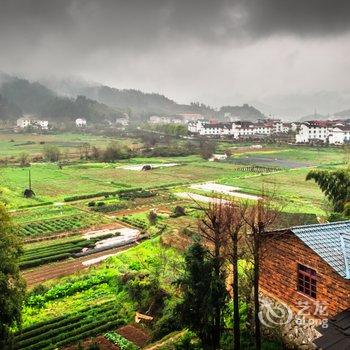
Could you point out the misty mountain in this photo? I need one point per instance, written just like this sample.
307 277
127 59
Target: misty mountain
22 96
338 115
244 112
8 110
343 114
131 100
296 106
68 99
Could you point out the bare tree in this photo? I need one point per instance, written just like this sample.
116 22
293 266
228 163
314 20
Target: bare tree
234 213
213 230
259 218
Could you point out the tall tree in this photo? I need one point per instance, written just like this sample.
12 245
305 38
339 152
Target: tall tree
202 293
234 222
334 184
213 230
12 286
259 218
194 310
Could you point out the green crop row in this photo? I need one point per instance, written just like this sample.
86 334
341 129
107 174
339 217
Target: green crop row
76 330
60 291
135 222
56 252
120 341
46 227
101 194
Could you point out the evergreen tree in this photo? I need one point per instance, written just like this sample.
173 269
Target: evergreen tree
12 286
335 185
201 294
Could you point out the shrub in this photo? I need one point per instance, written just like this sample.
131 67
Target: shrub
179 211
91 204
152 217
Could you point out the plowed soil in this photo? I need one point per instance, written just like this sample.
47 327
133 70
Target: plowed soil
135 334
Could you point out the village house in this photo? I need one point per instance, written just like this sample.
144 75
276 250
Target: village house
237 129
174 119
80 122
307 269
123 120
32 121
333 132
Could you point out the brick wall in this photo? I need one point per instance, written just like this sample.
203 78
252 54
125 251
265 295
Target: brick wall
281 255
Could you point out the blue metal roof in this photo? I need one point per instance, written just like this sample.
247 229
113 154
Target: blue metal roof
330 241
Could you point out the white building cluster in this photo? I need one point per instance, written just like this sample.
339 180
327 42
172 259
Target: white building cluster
240 129
335 132
32 121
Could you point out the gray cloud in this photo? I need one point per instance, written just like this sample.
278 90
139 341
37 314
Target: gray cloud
218 50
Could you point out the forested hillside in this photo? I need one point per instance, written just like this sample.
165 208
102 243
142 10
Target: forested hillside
8 111
68 100
20 95
245 112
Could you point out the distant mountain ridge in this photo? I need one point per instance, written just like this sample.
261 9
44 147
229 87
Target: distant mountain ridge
25 97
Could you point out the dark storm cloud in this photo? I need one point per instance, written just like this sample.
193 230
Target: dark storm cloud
218 51
89 23
301 17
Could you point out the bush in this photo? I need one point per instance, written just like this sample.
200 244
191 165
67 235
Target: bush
91 204
100 204
178 211
152 217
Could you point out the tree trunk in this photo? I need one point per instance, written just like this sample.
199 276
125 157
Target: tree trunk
256 291
235 291
217 308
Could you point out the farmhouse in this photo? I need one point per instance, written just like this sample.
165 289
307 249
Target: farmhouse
307 268
29 120
333 132
123 120
80 122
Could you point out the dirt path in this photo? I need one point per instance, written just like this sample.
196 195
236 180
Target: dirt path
51 271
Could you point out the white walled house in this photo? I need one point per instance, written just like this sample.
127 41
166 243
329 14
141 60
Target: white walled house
339 135
32 121
313 131
332 132
23 122
43 124
124 120
80 122
217 129
196 126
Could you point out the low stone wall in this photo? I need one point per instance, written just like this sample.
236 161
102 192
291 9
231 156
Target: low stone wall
280 322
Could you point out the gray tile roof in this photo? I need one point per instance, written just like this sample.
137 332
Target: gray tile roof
330 241
337 335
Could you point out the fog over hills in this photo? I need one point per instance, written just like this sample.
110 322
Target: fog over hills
67 98
292 59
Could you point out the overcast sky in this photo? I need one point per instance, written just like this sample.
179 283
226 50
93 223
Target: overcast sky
214 51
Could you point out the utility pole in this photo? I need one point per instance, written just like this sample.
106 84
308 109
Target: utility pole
30 180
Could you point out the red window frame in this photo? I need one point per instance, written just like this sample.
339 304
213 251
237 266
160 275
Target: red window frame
307 281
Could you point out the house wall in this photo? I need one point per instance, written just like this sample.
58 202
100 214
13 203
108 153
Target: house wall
279 275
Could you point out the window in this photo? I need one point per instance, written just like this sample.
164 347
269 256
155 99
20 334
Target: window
306 281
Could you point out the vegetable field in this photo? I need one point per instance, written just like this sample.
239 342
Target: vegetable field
62 224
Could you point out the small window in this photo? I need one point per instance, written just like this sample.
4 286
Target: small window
307 281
